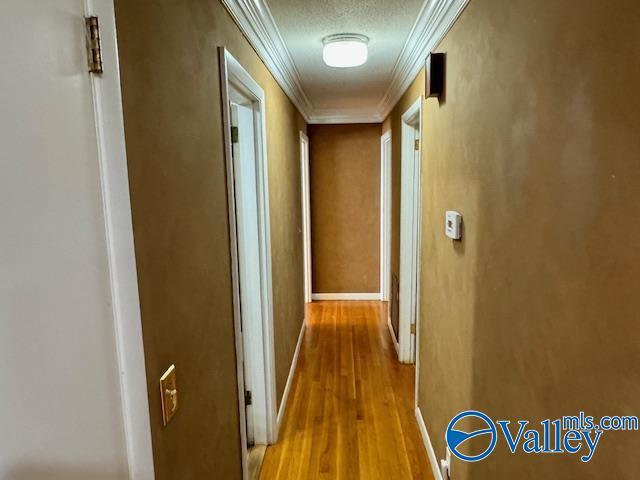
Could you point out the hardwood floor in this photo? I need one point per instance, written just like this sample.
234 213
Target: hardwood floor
351 408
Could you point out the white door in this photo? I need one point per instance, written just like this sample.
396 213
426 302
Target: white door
248 188
245 165
415 234
409 232
60 407
385 217
306 215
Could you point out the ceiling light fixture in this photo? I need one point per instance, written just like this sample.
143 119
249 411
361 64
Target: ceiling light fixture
345 50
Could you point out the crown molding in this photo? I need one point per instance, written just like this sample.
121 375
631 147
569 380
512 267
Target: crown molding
435 19
342 119
337 116
256 22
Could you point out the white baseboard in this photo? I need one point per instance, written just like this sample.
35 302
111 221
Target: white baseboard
435 464
292 371
393 337
345 296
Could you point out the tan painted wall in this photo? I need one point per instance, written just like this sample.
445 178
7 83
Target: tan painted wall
535 313
345 207
174 136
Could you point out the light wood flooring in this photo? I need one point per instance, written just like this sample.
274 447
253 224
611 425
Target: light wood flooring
351 407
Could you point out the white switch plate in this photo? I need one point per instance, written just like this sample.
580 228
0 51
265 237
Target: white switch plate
453 225
169 394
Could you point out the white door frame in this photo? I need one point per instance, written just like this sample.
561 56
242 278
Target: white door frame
234 76
385 216
112 157
410 229
306 215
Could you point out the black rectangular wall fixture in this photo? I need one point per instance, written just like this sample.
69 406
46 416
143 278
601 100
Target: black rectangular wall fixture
434 69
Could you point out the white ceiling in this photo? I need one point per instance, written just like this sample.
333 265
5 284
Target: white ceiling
353 92
287 35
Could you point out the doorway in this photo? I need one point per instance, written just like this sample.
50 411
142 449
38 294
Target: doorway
386 290
410 230
385 216
247 184
306 215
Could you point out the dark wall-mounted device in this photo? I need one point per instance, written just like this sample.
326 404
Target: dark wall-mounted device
434 69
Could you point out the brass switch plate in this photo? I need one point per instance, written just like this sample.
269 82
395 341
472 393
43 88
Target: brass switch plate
169 394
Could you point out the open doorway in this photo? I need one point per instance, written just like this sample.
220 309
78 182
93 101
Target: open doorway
385 216
306 215
388 291
247 184
410 230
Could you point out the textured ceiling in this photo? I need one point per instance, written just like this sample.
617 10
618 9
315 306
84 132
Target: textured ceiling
350 91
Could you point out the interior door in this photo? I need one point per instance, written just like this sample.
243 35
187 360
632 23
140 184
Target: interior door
409 238
416 238
245 177
60 407
306 216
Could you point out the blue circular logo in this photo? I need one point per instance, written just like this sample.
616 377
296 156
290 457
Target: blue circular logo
456 438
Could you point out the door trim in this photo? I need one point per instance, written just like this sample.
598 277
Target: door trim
385 216
306 215
410 230
112 158
234 75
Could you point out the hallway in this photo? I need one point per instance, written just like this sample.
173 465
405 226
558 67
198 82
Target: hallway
299 240
350 413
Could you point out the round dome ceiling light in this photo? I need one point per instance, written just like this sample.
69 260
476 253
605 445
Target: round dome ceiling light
345 50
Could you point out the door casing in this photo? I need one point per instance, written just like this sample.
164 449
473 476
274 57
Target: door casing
410 219
306 215
235 80
385 216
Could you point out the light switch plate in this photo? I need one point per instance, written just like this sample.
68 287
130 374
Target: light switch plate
453 225
169 394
